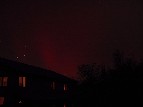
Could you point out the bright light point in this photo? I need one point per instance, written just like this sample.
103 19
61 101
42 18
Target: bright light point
20 102
17 57
24 55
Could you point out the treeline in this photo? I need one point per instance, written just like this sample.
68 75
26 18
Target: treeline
120 85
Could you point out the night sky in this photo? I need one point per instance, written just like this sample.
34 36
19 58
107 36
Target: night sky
62 34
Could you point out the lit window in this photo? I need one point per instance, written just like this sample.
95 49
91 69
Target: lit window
65 87
3 81
65 105
53 85
1 100
22 81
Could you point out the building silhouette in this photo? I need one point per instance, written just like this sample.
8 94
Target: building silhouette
22 85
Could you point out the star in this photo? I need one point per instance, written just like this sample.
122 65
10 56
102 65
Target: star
20 102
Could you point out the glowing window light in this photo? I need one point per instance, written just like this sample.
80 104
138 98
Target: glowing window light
3 81
65 105
1 100
22 81
53 85
65 87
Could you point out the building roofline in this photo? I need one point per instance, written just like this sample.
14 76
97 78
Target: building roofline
38 70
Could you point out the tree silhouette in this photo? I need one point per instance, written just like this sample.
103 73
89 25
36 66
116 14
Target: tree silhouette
91 72
117 86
